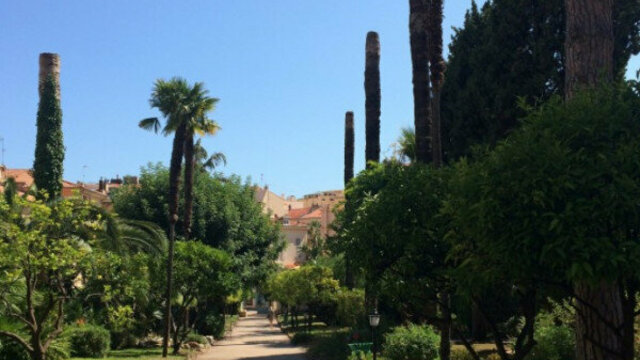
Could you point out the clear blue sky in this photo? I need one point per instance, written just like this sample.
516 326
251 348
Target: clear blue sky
285 71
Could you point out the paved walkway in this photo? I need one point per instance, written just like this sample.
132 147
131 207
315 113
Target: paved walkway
253 339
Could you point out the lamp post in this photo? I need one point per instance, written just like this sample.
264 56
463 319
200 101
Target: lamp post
374 321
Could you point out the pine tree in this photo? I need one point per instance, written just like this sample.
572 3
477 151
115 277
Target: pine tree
49 153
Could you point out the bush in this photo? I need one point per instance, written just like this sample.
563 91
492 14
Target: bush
200 339
214 325
350 307
301 338
461 354
414 342
89 341
554 342
329 346
10 350
59 350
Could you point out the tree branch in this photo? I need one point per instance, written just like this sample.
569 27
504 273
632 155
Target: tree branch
17 338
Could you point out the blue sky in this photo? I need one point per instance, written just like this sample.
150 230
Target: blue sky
285 71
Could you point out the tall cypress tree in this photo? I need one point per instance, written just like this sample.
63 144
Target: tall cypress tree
49 154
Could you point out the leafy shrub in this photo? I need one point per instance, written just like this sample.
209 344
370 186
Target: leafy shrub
461 354
89 341
414 342
200 339
301 338
554 342
10 350
214 324
350 307
59 350
329 346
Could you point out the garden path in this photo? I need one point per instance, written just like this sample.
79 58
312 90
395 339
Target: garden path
253 339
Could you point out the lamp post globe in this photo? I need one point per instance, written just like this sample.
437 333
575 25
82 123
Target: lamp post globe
374 321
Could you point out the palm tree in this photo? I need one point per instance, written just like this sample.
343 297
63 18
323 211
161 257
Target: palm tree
372 101
171 98
348 147
197 123
437 76
349 150
205 162
407 145
418 22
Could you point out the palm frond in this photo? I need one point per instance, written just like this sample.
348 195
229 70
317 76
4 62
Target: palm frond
151 124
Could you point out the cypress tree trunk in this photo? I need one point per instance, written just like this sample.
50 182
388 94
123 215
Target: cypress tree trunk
49 152
421 86
373 96
437 77
600 330
188 183
589 44
349 151
174 184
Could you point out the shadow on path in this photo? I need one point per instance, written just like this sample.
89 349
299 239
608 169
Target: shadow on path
253 339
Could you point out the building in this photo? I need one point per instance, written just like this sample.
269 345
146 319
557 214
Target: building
296 216
24 182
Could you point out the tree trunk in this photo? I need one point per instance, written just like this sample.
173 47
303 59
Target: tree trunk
49 65
445 328
599 322
437 77
349 151
589 44
421 85
174 184
589 62
188 183
373 97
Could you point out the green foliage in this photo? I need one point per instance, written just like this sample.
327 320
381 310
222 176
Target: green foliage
315 246
393 230
10 350
460 354
511 51
329 346
88 341
225 216
310 285
200 339
554 342
49 153
350 309
43 250
413 342
558 197
203 279
119 295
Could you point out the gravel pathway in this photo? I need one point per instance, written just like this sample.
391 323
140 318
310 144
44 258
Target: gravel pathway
253 339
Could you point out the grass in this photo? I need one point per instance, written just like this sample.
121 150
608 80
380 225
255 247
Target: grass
136 354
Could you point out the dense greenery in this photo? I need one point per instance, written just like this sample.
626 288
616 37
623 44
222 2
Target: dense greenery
512 50
225 216
49 154
411 342
204 279
551 207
